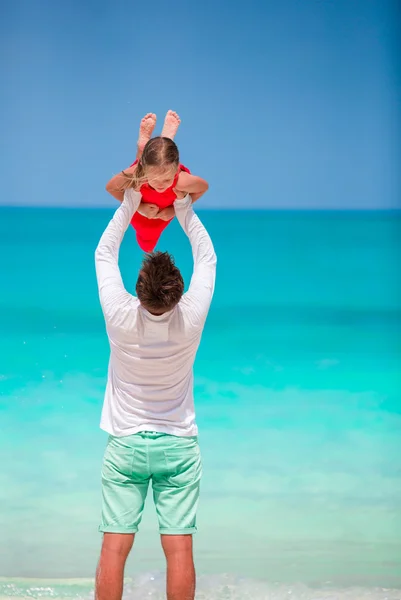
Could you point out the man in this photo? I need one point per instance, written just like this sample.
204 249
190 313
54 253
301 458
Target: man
149 408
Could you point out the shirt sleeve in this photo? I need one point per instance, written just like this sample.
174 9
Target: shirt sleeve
113 295
200 293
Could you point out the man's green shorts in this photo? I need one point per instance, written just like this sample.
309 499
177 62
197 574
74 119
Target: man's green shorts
172 463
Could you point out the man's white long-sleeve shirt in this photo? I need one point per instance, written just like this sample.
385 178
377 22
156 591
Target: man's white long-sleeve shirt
150 376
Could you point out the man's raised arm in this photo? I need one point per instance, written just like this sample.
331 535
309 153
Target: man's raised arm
111 288
200 292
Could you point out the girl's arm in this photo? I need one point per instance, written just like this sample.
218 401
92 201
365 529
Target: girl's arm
118 184
192 185
186 184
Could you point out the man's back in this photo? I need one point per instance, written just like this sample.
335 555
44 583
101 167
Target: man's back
150 379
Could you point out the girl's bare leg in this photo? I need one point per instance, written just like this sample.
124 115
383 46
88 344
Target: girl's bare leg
171 124
146 128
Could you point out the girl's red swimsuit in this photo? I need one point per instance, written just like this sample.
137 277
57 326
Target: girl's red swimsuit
148 231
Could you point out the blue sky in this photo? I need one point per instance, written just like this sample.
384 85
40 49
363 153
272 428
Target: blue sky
284 103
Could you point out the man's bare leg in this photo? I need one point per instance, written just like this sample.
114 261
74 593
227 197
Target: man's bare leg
110 570
146 128
180 567
171 124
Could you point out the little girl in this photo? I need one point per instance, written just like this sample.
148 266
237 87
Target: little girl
159 176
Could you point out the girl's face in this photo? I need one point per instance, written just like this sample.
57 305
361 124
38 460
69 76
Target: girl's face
161 179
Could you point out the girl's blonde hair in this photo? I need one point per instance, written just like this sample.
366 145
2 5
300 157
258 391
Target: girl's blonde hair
159 152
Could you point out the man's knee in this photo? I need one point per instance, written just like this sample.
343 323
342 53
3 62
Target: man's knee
174 545
117 544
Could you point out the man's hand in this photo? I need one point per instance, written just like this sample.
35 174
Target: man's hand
148 210
180 194
166 214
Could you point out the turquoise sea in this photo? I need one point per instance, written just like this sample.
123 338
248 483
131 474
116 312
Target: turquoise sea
298 393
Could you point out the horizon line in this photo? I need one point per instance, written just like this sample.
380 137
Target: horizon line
209 208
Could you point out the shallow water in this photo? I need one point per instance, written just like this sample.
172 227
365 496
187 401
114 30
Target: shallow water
298 400
223 587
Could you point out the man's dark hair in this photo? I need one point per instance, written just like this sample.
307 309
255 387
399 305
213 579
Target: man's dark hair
160 285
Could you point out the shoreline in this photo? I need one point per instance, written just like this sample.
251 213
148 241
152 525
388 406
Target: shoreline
210 587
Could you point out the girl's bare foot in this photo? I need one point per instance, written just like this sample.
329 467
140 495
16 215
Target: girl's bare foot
171 124
146 128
